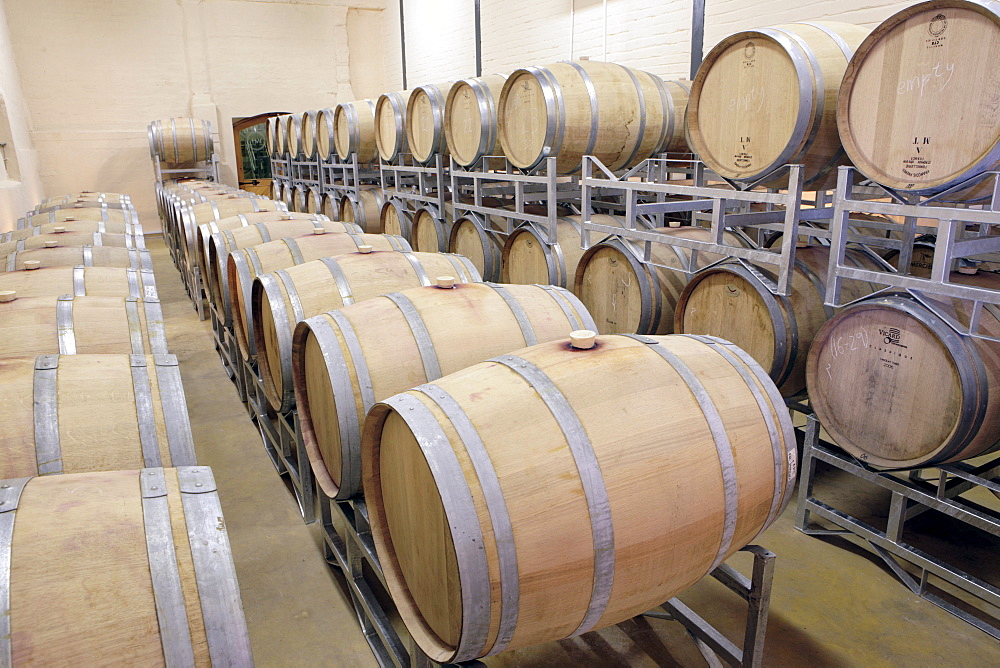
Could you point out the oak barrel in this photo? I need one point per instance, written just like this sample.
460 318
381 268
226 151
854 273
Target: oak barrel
470 119
390 124
72 239
354 130
330 205
73 225
642 502
896 386
463 325
918 105
431 228
480 242
129 568
71 256
626 294
363 208
280 300
206 212
528 258
68 325
245 264
293 135
325 145
79 413
81 281
223 243
181 140
87 196
735 301
271 140
111 217
314 201
310 138
425 133
766 98
572 109
395 218
299 196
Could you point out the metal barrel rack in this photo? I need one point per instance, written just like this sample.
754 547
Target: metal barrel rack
963 232
208 169
657 187
413 185
911 493
281 169
305 171
346 176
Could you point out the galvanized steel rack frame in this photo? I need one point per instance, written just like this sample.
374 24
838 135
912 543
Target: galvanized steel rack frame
351 174
726 209
407 181
209 169
911 496
306 171
954 241
350 548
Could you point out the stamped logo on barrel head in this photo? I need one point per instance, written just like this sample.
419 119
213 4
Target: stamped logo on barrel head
938 25
749 51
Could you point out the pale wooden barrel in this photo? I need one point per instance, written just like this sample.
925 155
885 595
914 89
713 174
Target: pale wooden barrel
206 212
309 132
325 144
115 199
181 140
288 196
731 301
627 295
81 281
479 241
470 119
431 228
425 134
314 201
766 98
281 135
80 413
527 257
394 218
330 206
464 325
68 325
282 299
390 124
919 71
72 256
271 139
897 387
115 217
592 484
245 264
224 242
596 98
300 196
363 208
76 226
70 239
293 135
354 130
121 567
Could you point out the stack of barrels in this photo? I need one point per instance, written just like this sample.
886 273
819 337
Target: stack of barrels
101 497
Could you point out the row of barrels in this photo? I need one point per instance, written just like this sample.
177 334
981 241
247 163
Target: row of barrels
102 498
818 93
397 362
180 141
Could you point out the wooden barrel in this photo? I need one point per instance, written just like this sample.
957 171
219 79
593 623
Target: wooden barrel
276 190
390 124
425 122
896 386
733 300
639 508
620 115
299 197
463 325
314 201
111 217
293 135
72 256
766 98
325 145
271 138
363 208
626 294
288 196
310 143
470 119
281 134
528 258
181 140
225 242
354 130
70 239
79 413
282 299
76 226
394 218
921 69
87 195
68 325
199 214
120 567
482 243
245 264
81 281
432 228
331 205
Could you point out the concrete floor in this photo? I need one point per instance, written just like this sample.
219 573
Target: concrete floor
833 603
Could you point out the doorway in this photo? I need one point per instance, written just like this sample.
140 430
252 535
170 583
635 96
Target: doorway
254 164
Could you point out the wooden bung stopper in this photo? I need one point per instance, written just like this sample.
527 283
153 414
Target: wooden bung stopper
69 219
447 282
32 264
319 230
77 206
286 216
584 339
59 229
8 295
51 243
365 249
